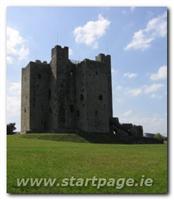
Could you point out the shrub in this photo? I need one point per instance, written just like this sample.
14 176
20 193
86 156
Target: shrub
11 128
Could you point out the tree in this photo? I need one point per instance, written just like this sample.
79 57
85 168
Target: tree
158 136
11 128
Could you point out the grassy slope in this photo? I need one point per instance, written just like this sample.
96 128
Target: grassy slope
40 156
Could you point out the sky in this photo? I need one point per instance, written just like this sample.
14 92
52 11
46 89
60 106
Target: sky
135 37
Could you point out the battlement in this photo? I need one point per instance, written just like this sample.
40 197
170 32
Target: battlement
61 52
40 62
103 58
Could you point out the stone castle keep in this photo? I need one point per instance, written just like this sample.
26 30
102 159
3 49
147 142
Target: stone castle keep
71 96
67 96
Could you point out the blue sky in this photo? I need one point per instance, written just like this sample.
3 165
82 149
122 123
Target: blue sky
136 39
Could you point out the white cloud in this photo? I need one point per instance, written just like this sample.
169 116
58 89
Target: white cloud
146 89
135 92
155 96
152 88
161 74
91 31
127 113
119 88
155 28
130 75
154 124
114 71
151 124
13 88
70 52
13 102
16 46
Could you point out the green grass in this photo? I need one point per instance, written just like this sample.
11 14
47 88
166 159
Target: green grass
38 156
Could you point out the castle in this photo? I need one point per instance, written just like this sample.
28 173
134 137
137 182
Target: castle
67 96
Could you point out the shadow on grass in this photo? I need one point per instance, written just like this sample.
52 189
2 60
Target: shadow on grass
59 137
101 138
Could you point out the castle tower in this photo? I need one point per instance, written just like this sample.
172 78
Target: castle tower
94 94
62 91
34 106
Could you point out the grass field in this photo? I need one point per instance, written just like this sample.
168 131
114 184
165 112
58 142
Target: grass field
64 156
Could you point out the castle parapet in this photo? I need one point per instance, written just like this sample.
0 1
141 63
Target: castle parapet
37 61
62 52
103 58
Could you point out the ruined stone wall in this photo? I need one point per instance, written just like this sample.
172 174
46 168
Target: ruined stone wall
126 129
